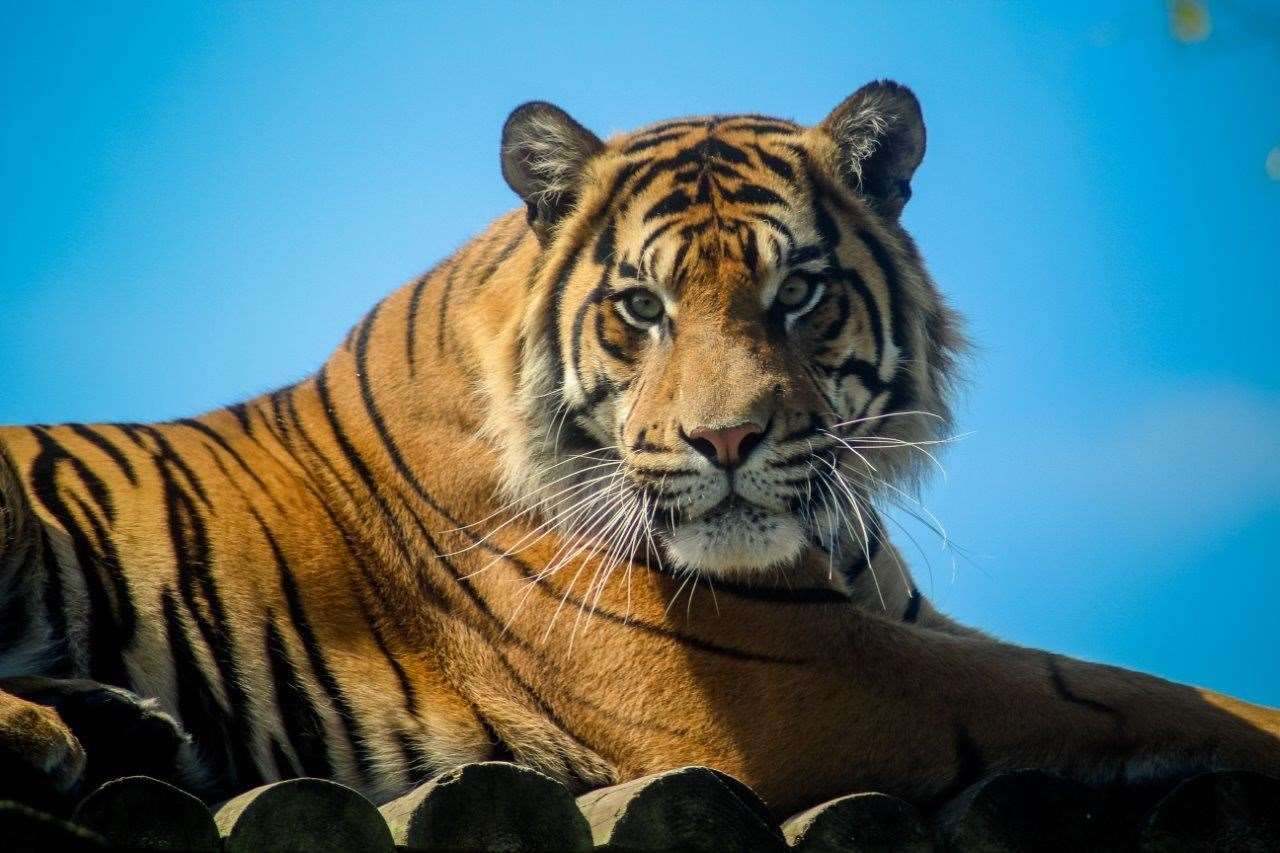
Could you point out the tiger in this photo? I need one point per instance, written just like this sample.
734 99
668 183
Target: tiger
601 494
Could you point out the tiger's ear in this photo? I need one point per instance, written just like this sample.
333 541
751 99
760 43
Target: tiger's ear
544 153
879 130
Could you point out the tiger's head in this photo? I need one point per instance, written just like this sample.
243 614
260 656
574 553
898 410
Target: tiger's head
730 344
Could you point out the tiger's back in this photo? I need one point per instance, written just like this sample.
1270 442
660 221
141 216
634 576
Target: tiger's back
199 562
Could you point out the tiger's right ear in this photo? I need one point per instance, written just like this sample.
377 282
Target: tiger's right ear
880 133
544 154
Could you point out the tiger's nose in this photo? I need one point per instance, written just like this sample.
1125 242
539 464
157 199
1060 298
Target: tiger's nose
725 447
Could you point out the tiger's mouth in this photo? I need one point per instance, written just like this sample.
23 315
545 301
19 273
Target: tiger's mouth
735 537
733 507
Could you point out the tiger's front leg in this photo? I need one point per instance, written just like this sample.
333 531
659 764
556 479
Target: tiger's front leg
41 759
60 737
806 700
924 714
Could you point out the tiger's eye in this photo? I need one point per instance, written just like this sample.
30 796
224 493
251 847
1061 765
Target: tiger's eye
644 306
794 292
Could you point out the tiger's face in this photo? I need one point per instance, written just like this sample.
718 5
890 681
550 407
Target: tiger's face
734 345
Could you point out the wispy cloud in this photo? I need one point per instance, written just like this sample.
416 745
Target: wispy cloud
1175 470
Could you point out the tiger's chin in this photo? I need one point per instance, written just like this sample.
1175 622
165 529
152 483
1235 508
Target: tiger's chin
736 541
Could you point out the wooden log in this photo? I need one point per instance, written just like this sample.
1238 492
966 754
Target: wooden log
693 808
860 823
23 828
1027 810
1237 811
488 806
302 816
142 813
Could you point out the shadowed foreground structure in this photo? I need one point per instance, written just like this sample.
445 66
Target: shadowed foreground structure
500 806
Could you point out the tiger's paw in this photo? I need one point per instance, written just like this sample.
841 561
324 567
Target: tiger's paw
41 760
564 759
117 733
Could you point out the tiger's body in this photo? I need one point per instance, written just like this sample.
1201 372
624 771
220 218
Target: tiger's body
491 525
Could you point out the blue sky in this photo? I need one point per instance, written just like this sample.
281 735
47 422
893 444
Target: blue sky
200 199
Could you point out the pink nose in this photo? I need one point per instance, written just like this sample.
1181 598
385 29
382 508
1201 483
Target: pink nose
726 447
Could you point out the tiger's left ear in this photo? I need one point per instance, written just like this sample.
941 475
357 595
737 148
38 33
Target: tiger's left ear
544 155
879 131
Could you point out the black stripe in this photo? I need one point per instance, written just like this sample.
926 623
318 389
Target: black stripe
286 768
382 591
893 284
775 164
110 632
569 263
843 313
402 678
499 750
656 168
408 554
755 194
503 253
198 708
240 412
777 225
913 606
446 294
678 261
597 294
92 482
803 255
750 250
279 399
713 148
674 202
54 605
673 124
411 321
615 351
761 127
491 265
970 766
356 461
418 765
319 665
830 233
379 589
655 234
217 438
303 725
651 141
1068 695
198 588
133 432
167 456
100 441
783 595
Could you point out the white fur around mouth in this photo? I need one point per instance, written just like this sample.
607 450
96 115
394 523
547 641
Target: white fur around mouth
734 538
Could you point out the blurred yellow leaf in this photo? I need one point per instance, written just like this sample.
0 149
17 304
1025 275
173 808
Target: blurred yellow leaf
1189 20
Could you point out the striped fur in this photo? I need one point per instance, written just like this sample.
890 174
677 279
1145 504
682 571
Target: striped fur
480 531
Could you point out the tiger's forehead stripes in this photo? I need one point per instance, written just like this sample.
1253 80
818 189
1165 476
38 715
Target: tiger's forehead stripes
708 191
